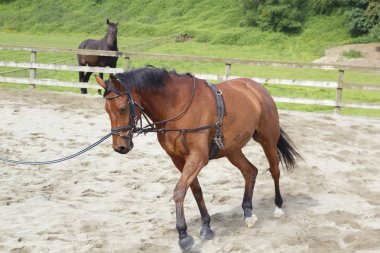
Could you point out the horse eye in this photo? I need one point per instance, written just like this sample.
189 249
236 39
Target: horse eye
123 109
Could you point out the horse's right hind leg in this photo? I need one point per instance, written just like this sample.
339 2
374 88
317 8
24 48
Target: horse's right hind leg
249 172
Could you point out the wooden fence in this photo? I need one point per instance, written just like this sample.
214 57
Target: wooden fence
338 85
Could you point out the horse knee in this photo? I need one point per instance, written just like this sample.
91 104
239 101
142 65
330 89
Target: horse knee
179 195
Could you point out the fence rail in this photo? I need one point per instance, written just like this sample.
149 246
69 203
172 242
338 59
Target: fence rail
339 85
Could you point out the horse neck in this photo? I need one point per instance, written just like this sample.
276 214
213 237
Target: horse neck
114 44
168 101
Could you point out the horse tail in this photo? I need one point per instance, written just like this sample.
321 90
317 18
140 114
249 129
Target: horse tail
287 152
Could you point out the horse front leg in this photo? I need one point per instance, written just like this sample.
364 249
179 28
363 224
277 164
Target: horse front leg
85 80
206 233
189 173
81 77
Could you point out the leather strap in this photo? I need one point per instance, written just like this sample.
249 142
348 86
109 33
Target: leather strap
217 143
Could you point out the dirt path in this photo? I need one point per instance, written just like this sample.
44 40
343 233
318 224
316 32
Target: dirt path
370 53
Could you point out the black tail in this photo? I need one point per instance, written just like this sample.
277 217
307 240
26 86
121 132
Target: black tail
287 151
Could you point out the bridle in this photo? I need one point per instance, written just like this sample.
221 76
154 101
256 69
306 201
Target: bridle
134 128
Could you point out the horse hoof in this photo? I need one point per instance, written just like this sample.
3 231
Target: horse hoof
206 233
279 213
186 243
250 221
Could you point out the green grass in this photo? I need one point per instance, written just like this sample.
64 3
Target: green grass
352 54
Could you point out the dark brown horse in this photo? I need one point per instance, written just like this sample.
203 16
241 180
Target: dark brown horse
108 42
185 115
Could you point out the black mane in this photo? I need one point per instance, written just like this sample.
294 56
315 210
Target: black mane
147 78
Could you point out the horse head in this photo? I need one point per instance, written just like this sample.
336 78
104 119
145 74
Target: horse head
120 107
111 33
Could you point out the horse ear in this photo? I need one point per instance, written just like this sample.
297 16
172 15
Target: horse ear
117 84
108 22
100 81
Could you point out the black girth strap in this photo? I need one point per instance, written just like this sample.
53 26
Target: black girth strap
217 143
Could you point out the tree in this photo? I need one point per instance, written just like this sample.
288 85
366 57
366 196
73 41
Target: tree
274 15
364 18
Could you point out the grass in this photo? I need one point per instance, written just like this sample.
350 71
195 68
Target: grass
352 54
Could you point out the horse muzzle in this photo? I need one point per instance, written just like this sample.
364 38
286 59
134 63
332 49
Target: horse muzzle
122 143
123 148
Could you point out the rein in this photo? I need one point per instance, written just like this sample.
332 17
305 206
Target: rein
57 160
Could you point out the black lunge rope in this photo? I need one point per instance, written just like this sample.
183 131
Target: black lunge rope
61 159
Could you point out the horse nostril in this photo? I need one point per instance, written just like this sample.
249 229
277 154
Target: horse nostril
122 149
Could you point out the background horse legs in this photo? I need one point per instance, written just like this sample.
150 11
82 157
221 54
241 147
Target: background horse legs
249 172
85 79
81 77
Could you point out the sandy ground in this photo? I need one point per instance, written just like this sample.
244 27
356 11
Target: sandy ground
370 55
106 202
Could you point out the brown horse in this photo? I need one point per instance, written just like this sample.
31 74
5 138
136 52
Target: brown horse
108 42
188 124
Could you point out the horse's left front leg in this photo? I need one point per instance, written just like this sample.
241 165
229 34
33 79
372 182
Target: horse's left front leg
190 171
206 233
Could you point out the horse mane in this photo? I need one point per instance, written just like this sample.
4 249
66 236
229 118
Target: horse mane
146 78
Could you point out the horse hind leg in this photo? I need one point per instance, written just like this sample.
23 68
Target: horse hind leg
270 149
249 172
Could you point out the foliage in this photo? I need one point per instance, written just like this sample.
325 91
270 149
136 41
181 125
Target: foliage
207 21
325 7
361 21
274 15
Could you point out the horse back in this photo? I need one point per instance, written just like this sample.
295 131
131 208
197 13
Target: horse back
93 60
246 93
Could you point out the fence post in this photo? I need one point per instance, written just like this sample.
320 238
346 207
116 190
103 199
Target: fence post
33 71
339 90
228 70
127 63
